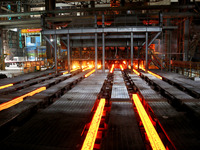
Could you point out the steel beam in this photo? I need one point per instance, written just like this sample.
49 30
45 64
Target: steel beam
101 30
90 37
146 52
160 7
131 52
155 37
68 53
152 39
103 53
47 39
96 54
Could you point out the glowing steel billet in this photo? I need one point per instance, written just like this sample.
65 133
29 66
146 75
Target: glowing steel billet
20 99
65 72
112 68
121 67
74 69
136 72
89 73
143 69
154 139
5 86
157 76
92 132
71 70
86 68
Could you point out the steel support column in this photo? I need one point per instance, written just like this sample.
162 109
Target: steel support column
146 52
55 52
96 52
80 62
170 51
68 53
103 53
103 45
131 52
186 39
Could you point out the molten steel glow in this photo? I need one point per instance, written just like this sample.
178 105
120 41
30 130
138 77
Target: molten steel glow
124 62
129 66
112 68
75 69
86 68
89 73
154 139
99 66
92 132
5 86
136 72
91 66
71 70
19 99
121 67
157 76
143 69
65 72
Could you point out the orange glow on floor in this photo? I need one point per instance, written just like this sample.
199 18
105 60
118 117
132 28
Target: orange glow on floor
157 76
89 73
121 67
112 68
136 72
154 139
20 99
5 86
92 132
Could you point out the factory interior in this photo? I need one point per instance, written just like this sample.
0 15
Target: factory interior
100 74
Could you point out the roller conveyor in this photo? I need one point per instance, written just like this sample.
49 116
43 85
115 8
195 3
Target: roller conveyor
25 77
60 125
123 132
26 84
181 82
177 95
119 91
36 101
46 83
176 124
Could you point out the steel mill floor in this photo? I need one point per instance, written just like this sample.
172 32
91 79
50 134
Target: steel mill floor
56 111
